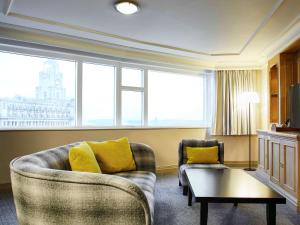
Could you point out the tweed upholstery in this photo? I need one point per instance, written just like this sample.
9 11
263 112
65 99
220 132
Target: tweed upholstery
143 157
182 156
47 192
145 181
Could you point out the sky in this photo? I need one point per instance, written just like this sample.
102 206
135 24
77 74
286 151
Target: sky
19 75
175 96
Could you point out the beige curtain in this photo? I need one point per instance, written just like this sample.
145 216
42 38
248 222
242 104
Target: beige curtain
231 117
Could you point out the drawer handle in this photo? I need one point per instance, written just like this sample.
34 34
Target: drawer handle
281 165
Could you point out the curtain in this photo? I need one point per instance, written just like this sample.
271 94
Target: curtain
231 117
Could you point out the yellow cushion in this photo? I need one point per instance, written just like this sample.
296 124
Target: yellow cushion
82 159
202 154
113 156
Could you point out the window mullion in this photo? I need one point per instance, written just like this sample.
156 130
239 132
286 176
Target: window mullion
145 100
118 104
79 93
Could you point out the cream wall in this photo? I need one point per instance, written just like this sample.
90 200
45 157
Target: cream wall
163 141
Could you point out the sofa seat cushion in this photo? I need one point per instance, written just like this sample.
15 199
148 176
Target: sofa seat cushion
182 176
146 181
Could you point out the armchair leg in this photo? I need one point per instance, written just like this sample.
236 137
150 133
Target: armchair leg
180 183
185 190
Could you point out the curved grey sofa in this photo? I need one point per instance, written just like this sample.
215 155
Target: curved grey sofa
47 192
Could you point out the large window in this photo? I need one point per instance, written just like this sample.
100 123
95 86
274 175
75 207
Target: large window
54 90
98 93
36 92
175 99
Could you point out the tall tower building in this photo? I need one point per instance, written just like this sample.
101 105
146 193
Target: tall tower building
50 83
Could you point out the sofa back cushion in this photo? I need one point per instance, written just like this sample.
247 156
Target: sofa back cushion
113 156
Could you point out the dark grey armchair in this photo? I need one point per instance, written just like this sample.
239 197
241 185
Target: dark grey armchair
182 158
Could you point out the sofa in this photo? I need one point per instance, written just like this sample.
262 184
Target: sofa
47 192
182 158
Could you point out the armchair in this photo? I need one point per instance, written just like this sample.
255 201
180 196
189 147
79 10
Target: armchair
182 158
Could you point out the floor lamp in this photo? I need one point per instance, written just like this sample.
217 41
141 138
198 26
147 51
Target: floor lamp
249 98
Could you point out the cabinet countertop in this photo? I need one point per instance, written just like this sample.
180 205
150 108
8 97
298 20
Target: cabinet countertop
290 134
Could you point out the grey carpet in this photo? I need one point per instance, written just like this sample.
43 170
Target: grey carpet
171 209
7 209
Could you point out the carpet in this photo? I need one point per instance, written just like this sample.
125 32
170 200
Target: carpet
171 209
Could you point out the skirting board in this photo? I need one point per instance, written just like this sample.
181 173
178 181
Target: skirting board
165 169
242 164
234 164
5 187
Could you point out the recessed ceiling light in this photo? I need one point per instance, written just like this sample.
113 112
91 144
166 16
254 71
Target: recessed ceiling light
127 7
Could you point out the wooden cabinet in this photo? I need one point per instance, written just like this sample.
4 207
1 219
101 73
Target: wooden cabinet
275 162
288 167
283 73
279 161
274 93
264 154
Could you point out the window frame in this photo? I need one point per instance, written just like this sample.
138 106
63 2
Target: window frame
133 89
79 59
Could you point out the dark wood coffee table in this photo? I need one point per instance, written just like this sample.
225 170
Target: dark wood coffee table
230 186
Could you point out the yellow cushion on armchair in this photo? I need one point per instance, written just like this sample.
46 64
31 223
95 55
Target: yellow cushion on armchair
207 155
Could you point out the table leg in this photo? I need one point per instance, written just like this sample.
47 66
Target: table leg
271 214
190 195
203 213
235 204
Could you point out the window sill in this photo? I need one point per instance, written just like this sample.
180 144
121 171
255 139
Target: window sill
102 128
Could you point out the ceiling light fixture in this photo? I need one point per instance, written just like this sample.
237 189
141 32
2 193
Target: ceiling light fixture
127 7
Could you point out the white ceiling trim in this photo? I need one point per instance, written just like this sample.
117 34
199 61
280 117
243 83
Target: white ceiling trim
262 24
100 33
200 64
10 13
290 34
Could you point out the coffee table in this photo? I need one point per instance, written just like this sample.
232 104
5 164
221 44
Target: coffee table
230 186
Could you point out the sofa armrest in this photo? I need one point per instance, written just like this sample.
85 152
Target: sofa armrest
221 152
144 157
180 154
65 197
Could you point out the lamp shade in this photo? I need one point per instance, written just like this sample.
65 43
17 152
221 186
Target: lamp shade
248 97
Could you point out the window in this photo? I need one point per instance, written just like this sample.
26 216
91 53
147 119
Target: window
175 99
132 93
36 92
55 90
98 94
132 77
132 108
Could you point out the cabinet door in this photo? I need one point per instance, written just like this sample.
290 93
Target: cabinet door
261 152
275 162
267 159
288 167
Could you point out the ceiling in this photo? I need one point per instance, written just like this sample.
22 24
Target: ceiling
204 29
